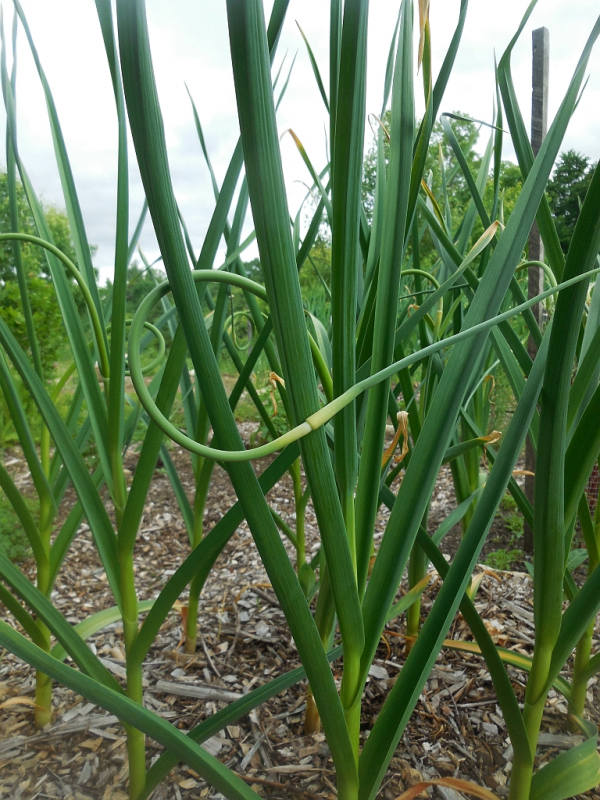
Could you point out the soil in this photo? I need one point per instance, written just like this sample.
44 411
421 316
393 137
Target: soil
456 730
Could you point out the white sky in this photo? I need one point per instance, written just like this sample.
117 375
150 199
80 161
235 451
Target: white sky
190 44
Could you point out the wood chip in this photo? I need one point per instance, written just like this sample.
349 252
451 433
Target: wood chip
289 769
202 691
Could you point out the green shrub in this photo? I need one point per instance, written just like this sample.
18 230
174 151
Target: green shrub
13 542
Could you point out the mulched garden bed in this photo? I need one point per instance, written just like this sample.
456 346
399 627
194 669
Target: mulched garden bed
456 730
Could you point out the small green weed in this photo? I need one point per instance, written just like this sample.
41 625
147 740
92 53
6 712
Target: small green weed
514 523
508 502
502 559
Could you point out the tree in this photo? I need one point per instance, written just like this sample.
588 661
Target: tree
140 282
566 192
439 153
46 312
46 316
33 257
441 167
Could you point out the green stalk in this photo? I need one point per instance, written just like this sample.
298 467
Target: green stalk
191 622
115 406
312 719
300 501
584 646
535 701
465 470
417 569
347 156
197 584
581 666
335 37
43 684
115 390
136 747
395 225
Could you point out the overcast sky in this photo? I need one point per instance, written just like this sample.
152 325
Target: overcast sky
190 45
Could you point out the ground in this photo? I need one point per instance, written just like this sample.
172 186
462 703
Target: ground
456 730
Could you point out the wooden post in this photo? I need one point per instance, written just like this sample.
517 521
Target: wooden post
539 126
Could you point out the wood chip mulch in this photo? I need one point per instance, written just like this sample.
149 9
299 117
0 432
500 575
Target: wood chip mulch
456 730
